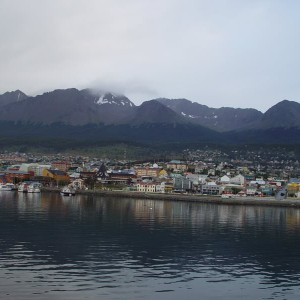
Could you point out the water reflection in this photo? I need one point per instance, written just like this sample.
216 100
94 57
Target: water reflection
121 248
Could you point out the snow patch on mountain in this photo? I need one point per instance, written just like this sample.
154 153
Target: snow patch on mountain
102 100
112 99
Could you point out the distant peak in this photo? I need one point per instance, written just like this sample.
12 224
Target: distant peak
16 92
285 103
11 97
113 99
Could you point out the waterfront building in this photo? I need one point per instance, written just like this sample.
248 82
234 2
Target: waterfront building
268 190
251 190
78 184
119 177
56 175
148 187
211 188
293 188
17 176
181 184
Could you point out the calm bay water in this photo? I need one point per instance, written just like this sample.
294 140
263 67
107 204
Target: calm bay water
103 248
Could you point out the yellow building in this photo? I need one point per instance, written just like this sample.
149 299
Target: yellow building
149 187
177 165
56 175
162 173
293 189
147 171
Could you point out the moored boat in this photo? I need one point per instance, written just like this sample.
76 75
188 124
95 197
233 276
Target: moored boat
67 191
23 187
34 188
7 186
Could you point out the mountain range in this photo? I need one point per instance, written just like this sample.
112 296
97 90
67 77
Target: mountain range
104 116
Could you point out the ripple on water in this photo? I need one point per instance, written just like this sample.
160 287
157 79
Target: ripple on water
120 249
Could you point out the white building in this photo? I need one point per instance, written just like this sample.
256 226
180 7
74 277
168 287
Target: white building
239 179
36 168
224 179
202 178
250 191
257 182
147 187
211 188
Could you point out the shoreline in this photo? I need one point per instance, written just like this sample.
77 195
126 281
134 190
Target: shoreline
261 201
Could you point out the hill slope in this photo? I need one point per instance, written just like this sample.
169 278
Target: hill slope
220 119
285 114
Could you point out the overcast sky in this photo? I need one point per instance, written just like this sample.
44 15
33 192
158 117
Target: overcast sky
236 53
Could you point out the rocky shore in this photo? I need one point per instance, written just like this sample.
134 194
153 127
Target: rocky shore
265 201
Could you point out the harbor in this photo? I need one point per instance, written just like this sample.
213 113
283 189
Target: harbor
262 201
108 247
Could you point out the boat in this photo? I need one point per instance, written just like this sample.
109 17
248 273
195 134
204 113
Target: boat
7 186
67 191
23 187
34 188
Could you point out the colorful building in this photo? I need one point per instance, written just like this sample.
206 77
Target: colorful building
56 175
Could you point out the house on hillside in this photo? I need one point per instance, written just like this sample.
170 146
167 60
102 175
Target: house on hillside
225 179
148 171
61 165
177 166
239 179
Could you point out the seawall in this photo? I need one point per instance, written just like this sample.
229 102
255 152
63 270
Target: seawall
262 201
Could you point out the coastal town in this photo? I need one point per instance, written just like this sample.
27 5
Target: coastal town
202 172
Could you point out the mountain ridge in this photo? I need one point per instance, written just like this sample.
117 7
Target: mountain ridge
78 107
98 115
220 119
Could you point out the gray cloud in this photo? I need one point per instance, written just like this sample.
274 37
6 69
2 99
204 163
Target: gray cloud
218 53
